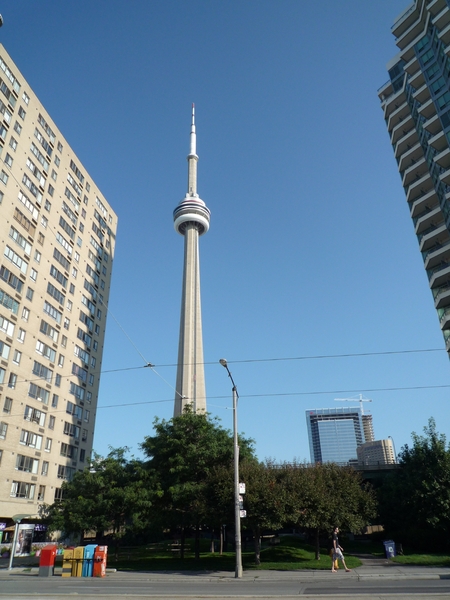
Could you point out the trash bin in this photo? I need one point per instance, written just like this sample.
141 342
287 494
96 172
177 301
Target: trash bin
389 548
47 561
67 562
88 560
100 561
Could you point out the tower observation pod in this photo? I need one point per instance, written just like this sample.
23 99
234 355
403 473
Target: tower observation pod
191 220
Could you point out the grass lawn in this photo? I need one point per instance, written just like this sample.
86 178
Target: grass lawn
423 560
291 554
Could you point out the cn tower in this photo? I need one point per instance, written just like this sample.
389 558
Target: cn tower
191 219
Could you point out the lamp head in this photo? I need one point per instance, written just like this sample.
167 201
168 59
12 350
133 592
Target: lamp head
223 362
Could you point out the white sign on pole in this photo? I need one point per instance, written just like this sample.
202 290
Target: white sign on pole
243 514
242 488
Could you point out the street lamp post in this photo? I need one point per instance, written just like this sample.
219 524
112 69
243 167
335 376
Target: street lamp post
237 508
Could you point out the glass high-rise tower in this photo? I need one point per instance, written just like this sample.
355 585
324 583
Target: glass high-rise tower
416 107
335 434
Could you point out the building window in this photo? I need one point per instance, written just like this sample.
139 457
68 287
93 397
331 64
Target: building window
3 177
13 143
84 435
82 455
44 221
20 489
54 175
58 494
41 492
22 113
27 464
48 444
33 274
25 313
66 323
51 422
17 356
61 360
87 414
41 238
29 294
3 430
21 335
17 128
64 341
57 161
51 189
37 256
8 160
55 399
12 381
48 205
7 405
25 98
44 470
2 375
58 380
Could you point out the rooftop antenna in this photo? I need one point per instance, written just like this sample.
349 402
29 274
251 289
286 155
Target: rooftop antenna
361 399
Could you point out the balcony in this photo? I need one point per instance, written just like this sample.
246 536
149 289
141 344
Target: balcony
442 295
428 109
398 115
417 79
409 35
443 158
393 102
430 218
415 172
437 255
444 319
438 141
434 240
441 19
444 35
433 125
416 189
426 201
406 142
402 129
435 6
439 275
412 65
445 177
422 94
410 157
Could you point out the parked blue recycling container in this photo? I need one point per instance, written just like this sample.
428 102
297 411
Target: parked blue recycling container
389 548
88 560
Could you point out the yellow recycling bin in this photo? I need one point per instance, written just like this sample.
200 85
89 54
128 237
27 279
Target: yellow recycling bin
78 555
67 562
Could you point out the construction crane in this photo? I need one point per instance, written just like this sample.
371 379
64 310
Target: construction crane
361 399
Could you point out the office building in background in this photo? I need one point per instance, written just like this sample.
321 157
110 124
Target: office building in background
416 107
57 238
334 434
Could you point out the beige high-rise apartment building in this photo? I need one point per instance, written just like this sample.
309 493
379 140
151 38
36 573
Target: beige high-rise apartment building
57 238
377 452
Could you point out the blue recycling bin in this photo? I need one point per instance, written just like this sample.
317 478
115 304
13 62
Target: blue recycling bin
389 548
88 560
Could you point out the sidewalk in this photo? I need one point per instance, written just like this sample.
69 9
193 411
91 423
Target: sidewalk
385 570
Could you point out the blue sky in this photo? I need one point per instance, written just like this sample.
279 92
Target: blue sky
311 250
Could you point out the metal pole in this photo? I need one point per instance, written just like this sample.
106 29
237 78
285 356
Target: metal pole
237 510
13 547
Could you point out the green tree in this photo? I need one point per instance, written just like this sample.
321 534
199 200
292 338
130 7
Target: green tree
113 495
330 496
182 456
415 500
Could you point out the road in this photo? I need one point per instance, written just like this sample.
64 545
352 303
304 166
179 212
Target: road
416 584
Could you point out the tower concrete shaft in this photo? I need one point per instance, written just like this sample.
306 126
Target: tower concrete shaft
191 219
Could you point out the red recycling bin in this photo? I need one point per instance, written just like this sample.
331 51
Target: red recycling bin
100 554
47 560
